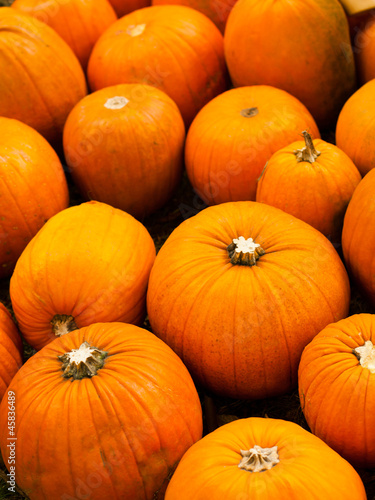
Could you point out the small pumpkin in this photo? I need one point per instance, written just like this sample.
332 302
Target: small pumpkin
124 146
358 236
123 7
107 407
336 382
89 263
261 459
78 22
172 47
239 290
33 188
50 81
11 349
234 135
328 176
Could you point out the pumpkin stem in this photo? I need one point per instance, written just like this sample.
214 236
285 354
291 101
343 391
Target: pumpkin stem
259 459
308 153
249 112
366 355
136 29
244 252
62 324
117 102
83 362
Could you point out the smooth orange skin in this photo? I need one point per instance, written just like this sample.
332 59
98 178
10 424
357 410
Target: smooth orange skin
41 78
216 10
130 158
241 330
355 128
33 188
337 394
301 47
327 186
225 152
358 236
116 435
123 7
78 22
91 261
308 468
11 349
180 51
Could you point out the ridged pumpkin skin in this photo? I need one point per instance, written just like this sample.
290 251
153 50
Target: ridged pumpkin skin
123 7
328 176
32 185
307 467
42 89
337 388
301 47
234 135
240 329
216 10
355 129
78 22
174 48
358 236
117 434
124 146
11 349
89 263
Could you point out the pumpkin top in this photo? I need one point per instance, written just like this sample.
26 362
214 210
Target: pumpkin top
82 362
259 459
366 355
308 153
244 251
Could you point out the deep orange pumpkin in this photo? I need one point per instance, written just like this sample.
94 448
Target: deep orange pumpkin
263 459
336 381
89 263
78 22
301 47
174 48
124 146
123 7
312 180
234 135
32 185
11 349
358 236
113 427
239 311
41 78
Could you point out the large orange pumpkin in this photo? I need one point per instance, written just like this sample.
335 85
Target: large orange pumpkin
301 47
233 136
100 413
336 381
32 185
263 459
239 290
358 236
328 177
78 22
172 47
124 146
11 349
89 263
123 7
41 78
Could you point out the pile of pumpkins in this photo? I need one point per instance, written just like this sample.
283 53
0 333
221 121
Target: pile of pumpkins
248 298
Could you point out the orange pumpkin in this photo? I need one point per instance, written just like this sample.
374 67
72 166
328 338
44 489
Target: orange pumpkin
89 263
261 459
301 47
11 349
32 185
336 381
234 135
123 7
78 22
358 236
41 78
328 177
107 408
216 10
124 146
239 290
174 48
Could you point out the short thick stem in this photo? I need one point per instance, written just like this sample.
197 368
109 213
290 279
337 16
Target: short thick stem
244 252
62 324
249 112
83 362
308 153
366 355
259 459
